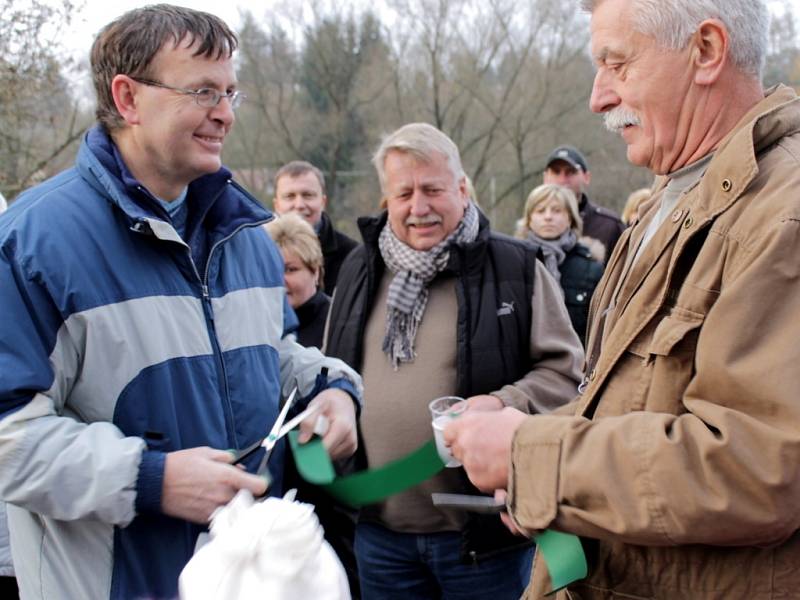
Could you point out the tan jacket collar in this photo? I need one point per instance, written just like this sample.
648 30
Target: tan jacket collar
729 174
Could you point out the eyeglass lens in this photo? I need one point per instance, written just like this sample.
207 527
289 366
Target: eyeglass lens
210 98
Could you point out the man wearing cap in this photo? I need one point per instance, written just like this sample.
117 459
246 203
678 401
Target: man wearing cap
568 167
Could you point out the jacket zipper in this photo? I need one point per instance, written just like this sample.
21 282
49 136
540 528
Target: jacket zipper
215 347
212 329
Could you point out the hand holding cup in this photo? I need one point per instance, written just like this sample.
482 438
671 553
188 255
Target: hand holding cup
443 410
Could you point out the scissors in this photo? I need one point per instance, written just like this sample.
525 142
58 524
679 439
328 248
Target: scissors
276 433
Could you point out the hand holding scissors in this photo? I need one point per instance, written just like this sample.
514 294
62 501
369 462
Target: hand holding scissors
279 430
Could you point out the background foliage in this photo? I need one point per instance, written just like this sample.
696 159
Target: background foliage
507 79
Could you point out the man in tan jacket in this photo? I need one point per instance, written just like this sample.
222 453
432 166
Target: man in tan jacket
681 465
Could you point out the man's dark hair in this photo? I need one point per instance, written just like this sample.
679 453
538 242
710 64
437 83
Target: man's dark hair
297 168
128 45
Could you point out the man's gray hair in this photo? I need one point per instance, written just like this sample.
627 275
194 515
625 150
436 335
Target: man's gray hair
424 142
672 23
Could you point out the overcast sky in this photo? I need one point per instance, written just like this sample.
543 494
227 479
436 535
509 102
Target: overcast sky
96 13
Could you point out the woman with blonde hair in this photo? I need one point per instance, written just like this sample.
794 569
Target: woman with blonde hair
552 222
632 204
302 258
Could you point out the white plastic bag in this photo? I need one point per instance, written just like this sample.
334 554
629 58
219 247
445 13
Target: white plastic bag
264 550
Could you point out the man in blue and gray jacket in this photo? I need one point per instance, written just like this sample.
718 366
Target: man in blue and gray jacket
145 329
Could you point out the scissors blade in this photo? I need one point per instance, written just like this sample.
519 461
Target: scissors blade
296 421
240 455
274 434
276 427
244 453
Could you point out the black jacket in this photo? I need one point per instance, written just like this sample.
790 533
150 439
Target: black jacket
580 273
338 521
311 315
600 223
493 273
335 248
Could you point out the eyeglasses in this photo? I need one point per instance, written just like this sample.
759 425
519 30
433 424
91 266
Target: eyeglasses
205 97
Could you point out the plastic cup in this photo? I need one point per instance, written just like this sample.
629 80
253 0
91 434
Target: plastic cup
443 410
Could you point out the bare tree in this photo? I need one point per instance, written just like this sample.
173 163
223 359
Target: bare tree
502 78
39 119
508 80
268 122
314 99
783 58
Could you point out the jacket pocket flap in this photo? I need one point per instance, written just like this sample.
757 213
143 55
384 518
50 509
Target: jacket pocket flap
671 330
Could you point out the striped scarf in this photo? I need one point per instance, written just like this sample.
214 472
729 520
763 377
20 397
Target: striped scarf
408 292
555 251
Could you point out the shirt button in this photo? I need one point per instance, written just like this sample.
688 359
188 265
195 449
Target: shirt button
676 216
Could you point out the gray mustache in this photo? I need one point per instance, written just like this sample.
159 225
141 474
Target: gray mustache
617 118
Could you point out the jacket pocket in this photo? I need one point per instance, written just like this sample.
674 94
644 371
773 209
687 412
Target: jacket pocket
670 360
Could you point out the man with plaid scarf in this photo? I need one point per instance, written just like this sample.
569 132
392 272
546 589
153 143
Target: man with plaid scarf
435 304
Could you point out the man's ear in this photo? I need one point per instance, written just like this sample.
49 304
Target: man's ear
462 190
710 45
123 90
587 178
324 201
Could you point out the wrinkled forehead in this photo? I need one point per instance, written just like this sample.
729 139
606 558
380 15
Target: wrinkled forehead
192 46
406 167
612 32
201 69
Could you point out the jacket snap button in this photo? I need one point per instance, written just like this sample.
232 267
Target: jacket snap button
591 375
726 185
688 222
676 216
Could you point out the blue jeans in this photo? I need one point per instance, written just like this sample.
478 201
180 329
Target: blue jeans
415 567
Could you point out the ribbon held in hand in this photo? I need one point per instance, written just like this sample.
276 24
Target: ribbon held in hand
563 553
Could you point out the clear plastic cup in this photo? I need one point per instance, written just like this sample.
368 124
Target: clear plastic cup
443 410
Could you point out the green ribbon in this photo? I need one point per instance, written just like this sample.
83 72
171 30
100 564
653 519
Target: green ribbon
562 552
365 487
564 557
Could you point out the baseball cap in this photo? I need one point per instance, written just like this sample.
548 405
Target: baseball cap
570 155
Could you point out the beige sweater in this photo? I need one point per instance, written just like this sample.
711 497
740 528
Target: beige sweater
395 419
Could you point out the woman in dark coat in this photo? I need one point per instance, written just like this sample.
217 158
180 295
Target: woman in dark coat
302 258
551 221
